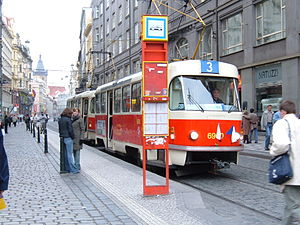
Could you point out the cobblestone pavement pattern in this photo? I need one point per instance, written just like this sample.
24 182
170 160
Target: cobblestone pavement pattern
38 194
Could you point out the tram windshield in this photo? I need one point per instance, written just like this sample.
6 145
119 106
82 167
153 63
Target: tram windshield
202 93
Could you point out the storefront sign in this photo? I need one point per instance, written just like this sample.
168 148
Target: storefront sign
268 74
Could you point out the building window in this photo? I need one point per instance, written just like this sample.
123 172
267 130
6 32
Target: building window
232 34
97 34
270 21
98 59
136 4
126 70
97 12
107 3
206 45
107 27
120 44
120 14
182 49
113 21
136 66
101 32
136 33
127 8
101 8
127 39
126 99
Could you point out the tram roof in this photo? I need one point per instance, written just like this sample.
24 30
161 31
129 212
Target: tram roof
193 67
85 94
128 79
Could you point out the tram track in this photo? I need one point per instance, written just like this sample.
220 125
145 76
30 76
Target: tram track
229 200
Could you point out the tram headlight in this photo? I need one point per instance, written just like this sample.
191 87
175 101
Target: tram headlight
194 135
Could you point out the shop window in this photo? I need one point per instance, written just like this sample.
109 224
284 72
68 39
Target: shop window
103 102
270 21
182 49
232 34
126 99
117 100
136 97
206 45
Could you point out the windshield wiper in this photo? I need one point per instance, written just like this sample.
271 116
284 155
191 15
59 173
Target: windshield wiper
193 101
231 107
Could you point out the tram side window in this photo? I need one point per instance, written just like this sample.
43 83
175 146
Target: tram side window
126 99
176 97
117 100
97 106
103 103
92 106
136 97
85 106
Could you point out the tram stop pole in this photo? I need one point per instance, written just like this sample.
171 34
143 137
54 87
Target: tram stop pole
62 156
38 135
45 140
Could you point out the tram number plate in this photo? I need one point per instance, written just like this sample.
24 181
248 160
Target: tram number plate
213 135
209 67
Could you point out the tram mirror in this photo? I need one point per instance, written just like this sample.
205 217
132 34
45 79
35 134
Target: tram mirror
245 105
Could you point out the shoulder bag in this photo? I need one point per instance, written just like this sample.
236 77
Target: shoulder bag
280 169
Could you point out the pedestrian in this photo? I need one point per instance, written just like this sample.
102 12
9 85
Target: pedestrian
246 126
253 126
66 132
281 142
27 122
267 124
6 122
15 120
4 170
78 127
9 120
276 116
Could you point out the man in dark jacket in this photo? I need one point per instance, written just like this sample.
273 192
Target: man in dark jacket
4 172
66 132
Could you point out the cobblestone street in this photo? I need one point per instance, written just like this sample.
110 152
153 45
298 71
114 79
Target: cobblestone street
38 194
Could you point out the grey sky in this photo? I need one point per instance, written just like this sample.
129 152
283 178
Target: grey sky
52 27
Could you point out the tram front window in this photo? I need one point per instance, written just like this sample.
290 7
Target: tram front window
199 93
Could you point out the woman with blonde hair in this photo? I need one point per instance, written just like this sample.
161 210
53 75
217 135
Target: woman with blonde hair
78 128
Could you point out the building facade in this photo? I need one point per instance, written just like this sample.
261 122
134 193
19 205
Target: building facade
260 37
22 98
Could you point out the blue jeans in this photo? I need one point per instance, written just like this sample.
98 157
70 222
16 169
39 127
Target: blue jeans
70 165
255 132
77 159
268 134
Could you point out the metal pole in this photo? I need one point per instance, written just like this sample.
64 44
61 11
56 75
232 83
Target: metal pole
62 156
33 130
38 135
45 141
31 124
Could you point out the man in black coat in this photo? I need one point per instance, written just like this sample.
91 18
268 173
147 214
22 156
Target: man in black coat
4 171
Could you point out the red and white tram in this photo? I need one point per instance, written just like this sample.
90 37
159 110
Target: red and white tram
202 128
204 114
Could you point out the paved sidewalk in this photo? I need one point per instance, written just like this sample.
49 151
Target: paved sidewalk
38 194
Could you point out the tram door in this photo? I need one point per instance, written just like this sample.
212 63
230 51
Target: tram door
85 108
110 119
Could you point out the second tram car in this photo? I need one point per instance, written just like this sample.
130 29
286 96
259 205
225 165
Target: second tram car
204 115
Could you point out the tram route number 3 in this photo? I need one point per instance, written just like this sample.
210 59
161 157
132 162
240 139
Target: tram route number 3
213 135
209 66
